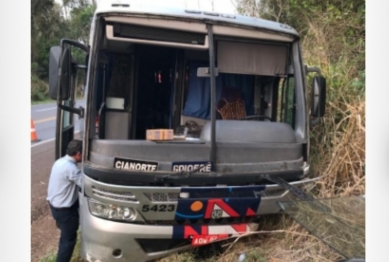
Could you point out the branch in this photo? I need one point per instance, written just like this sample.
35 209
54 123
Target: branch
265 232
280 10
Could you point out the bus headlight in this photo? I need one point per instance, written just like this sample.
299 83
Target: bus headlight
112 212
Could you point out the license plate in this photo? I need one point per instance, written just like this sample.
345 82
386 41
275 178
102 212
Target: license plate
204 240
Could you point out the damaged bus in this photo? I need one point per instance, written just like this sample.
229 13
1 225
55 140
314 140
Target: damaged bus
188 114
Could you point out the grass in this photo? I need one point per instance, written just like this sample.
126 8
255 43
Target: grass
52 256
49 100
49 258
46 101
279 239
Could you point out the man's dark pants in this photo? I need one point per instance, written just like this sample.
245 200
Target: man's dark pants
68 221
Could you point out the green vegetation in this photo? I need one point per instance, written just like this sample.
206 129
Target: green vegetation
52 256
50 22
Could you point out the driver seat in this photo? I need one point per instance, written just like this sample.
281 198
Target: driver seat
231 106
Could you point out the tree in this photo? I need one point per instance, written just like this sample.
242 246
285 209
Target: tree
340 22
47 26
80 23
50 22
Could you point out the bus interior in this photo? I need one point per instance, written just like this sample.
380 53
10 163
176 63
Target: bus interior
142 86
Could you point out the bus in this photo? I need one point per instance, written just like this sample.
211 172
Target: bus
189 116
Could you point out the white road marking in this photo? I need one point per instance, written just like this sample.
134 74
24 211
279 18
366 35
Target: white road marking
49 140
46 109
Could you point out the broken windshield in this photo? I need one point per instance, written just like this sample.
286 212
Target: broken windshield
342 226
141 87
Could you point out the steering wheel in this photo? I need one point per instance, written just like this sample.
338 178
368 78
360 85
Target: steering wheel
255 116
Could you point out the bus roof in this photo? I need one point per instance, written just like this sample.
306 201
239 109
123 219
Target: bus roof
133 7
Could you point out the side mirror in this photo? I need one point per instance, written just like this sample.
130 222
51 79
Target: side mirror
62 67
318 96
55 54
60 71
66 75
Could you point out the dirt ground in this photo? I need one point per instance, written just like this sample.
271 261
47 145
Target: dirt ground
44 233
44 236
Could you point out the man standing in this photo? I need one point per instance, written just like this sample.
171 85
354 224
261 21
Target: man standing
65 178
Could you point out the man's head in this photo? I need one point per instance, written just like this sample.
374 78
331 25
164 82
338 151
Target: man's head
74 150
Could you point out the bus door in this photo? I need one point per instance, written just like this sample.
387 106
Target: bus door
63 86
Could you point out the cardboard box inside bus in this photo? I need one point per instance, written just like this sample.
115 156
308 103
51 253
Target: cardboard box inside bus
159 134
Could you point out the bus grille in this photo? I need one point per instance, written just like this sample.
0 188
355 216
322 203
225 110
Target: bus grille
162 197
114 195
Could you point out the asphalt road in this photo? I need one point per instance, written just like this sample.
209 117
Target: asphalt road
42 152
44 118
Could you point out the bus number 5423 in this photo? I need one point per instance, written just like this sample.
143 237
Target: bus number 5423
158 208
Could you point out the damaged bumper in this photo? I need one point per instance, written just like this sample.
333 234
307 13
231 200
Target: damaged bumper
169 220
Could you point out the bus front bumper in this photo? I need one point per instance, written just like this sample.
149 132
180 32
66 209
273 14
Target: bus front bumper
112 241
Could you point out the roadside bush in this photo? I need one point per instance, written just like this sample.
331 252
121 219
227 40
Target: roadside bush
39 89
338 144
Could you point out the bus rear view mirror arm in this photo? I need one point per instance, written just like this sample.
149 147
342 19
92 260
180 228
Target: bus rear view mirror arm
312 69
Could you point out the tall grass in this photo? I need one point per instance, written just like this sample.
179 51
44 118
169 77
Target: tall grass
338 144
